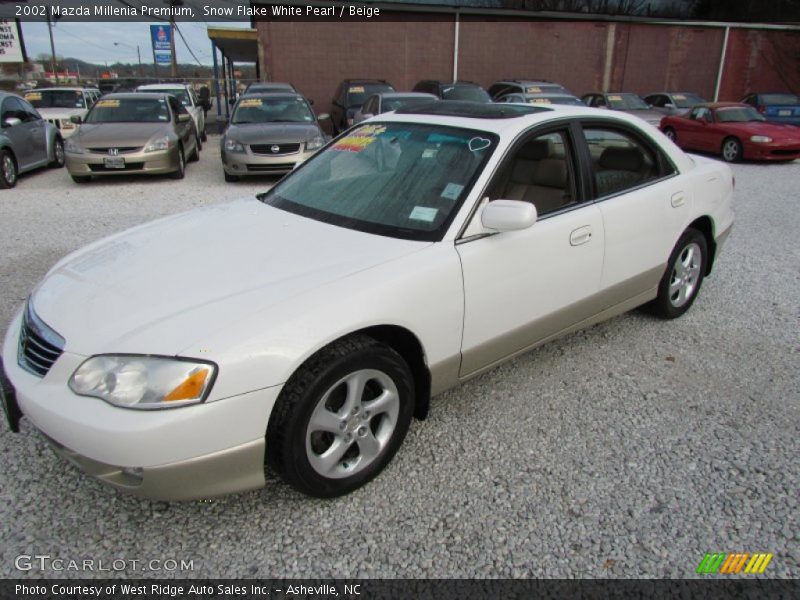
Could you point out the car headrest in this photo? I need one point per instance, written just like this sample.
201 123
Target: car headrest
551 172
621 159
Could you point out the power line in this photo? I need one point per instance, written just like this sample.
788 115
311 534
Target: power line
187 45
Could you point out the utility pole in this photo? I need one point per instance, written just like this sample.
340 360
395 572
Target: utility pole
52 48
172 5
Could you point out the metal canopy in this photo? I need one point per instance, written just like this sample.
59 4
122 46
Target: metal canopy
237 45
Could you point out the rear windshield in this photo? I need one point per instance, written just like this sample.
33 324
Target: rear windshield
289 109
626 102
181 94
55 98
404 180
129 110
738 114
473 93
357 93
790 99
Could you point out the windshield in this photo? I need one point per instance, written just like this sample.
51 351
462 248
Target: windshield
398 103
570 100
357 94
181 94
789 99
738 114
472 93
687 100
289 109
129 110
403 180
626 102
56 99
261 88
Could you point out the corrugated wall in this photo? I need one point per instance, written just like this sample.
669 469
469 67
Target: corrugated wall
583 55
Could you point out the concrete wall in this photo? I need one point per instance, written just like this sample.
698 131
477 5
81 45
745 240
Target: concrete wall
582 55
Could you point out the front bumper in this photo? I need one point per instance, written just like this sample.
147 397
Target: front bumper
146 163
198 451
248 163
772 151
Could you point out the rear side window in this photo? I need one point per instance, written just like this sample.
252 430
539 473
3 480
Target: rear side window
621 161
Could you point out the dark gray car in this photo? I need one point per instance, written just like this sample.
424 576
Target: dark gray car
381 103
626 102
27 141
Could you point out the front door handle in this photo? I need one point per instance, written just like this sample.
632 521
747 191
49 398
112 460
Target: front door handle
580 236
677 200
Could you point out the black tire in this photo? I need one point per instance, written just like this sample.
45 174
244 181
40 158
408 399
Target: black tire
8 170
290 439
81 178
58 155
231 178
731 150
203 135
669 304
671 134
181 172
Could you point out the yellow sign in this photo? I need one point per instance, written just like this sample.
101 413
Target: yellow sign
533 90
539 101
614 98
33 96
357 89
111 103
250 102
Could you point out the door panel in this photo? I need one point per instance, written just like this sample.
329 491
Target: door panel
523 286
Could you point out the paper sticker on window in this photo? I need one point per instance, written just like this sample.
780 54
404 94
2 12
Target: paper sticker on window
533 90
539 101
430 152
108 103
250 102
356 89
33 96
360 139
614 98
423 213
452 191
679 97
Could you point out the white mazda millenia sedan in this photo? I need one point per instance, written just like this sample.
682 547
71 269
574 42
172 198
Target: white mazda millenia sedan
303 329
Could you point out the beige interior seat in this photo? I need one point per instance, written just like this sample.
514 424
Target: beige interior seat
538 178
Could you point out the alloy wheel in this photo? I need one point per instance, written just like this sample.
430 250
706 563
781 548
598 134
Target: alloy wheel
685 275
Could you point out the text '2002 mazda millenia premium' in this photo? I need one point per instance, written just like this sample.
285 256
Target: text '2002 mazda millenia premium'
303 329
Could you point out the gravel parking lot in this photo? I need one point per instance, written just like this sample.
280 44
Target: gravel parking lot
627 450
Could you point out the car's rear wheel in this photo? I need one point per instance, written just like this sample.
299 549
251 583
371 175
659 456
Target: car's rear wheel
58 154
671 134
341 417
204 135
195 156
8 170
181 170
81 178
684 275
732 150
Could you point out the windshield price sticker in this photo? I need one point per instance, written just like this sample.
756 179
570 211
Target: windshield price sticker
452 191
33 96
679 97
614 98
250 102
423 213
359 140
539 101
534 90
108 103
357 89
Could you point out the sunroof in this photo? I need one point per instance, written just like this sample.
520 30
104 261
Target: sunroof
479 110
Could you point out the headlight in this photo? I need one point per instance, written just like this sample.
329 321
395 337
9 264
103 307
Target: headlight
73 147
144 382
67 125
233 146
158 145
315 143
760 139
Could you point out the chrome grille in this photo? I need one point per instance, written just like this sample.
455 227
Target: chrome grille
269 149
119 149
39 346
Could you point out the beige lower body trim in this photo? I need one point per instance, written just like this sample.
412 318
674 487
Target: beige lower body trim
608 303
228 471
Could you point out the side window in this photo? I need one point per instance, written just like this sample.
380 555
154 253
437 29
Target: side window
13 107
539 171
370 106
599 101
657 100
28 110
177 107
8 110
700 112
620 161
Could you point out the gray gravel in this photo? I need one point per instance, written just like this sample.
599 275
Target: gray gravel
628 450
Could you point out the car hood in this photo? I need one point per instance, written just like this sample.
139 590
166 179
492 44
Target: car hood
272 133
60 113
162 286
120 134
777 131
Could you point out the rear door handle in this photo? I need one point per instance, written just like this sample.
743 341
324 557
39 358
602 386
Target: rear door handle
677 199
580 236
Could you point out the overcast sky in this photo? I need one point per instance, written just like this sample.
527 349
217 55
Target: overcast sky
94 42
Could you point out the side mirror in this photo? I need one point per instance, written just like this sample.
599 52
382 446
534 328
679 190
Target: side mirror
76 119
11 122
323 117
183 118
508 215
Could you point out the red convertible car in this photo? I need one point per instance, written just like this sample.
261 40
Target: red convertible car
735 131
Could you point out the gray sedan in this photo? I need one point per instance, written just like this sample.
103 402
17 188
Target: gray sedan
626 102
674 103
270 134
26 140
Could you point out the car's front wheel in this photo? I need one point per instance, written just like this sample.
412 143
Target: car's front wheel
732 150
58 154
8 170
684 275
670 133
180 172
341 417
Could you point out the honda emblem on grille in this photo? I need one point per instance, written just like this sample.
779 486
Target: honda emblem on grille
275 149
113 151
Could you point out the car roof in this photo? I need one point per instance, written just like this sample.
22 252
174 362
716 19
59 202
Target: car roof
405 95
135 95
723 105
59 88
286 94
363 80
526 81
163 86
